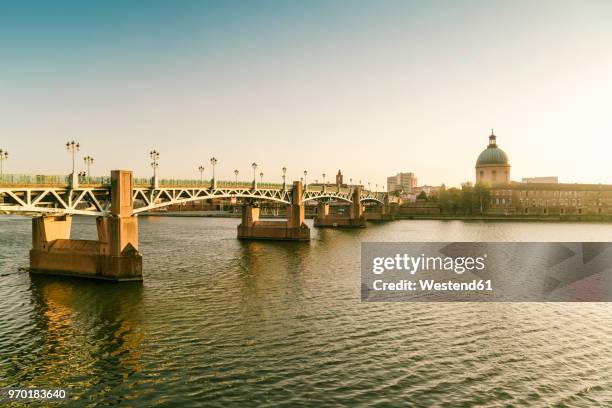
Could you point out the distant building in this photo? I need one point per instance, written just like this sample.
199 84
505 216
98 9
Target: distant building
493 166
551 199
339 178
402 182
429 190
541 180
537 195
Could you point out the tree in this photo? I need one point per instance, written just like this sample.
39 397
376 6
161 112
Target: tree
467 195
422 196
482 197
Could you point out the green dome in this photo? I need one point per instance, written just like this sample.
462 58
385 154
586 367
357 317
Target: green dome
492 155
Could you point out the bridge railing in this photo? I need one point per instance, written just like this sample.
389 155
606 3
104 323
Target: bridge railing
32 180
50 180
178 183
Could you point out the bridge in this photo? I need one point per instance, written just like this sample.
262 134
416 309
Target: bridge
116 201
93 196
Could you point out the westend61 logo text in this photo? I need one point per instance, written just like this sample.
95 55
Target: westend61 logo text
486 271
412 264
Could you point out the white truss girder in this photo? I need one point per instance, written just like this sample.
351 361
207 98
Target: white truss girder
50 200
96 201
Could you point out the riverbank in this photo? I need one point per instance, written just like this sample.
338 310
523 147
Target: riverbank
511 218
439 217
214 214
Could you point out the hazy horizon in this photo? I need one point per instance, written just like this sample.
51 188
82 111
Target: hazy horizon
371 88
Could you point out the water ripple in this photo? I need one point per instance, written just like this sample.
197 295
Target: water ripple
222 322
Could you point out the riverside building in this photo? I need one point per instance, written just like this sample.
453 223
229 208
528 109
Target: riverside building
537 196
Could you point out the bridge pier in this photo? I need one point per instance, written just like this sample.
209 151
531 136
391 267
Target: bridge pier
114 256
355 218
294 229
383 215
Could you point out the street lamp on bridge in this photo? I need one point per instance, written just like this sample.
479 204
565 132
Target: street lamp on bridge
261 177
213 161
254 166
88 162
73 147
154 155
236 175
284 170
305 174
201 170
3 157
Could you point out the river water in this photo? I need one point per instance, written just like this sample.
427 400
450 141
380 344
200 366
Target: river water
220 322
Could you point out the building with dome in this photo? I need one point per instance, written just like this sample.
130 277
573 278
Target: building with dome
493 166
540 196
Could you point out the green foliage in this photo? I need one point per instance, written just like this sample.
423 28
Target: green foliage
468 200
422 196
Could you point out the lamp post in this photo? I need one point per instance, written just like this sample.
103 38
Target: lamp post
236 176
213 161
323 181
201 170
3 157
154 155
88 162
305 174
73 147
254 166
284 170
261 177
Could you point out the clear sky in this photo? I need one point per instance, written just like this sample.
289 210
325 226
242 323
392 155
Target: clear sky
369 87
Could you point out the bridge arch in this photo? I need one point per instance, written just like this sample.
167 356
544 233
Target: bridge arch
181 200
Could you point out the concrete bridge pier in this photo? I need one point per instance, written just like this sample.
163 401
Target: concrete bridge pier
354 219
384 213
294 229
114 256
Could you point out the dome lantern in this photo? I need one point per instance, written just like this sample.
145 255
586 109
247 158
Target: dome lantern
492 139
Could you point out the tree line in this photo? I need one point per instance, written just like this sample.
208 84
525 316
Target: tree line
468 200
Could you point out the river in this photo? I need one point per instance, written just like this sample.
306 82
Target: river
220 322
